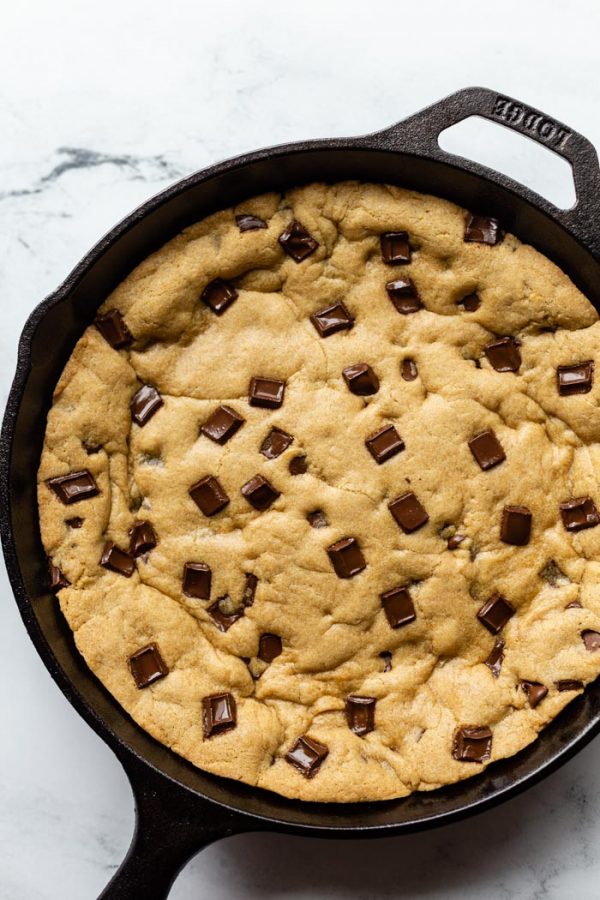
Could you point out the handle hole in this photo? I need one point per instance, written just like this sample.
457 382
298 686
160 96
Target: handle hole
519 157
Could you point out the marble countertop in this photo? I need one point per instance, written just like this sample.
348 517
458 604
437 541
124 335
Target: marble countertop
102 106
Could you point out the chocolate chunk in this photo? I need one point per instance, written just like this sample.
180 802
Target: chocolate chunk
504 354
395 248
142 539
384 444
275 443
386 656
317 519
209 495
535 692
197 577
455 540
346 557
472 743
247 222
57 579
470 303
147 666
145 403
113 329
266 392
360 714
307 755
515 527
496 658
591 639
579 514
408 512
331 319
117 560
298 465
361 379
409 370
249 589
568 685
404 296
222 424
219 714
74 522
74 487
259 492
398 607
483 230
223 619
297 242
269 647
575 379
487 450
495 613
218 295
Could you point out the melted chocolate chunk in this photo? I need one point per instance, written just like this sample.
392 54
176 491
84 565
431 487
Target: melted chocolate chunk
395 248
472 743
515 527
248 222
117 560
259 492
219 714
455 540
487 450
535 692
307 755
483 230
74 487
360 714
74 522
142 539
386 656
147 666
331 319
504 354
224 620
297 241
218 295
470 303
496 658
298 465
346 557
113 329
209 495
398 607
145 403
579 514
384 444
197 577
404 296
222 424
361 379
591 639
275 443
269 647
249 589
495 613
58 580
409 371
408 512
577 379
266 392
317 519
569 685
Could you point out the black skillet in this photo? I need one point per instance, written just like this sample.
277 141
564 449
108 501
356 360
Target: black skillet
180 809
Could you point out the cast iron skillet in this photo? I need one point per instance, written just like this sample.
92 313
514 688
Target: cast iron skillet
179 808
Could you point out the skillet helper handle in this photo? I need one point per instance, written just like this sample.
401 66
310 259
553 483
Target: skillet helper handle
171 827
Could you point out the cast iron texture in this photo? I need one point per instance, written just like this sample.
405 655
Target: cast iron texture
179 808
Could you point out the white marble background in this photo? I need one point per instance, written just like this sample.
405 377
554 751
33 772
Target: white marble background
102 105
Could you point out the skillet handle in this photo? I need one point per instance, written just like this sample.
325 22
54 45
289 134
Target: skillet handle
172 825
